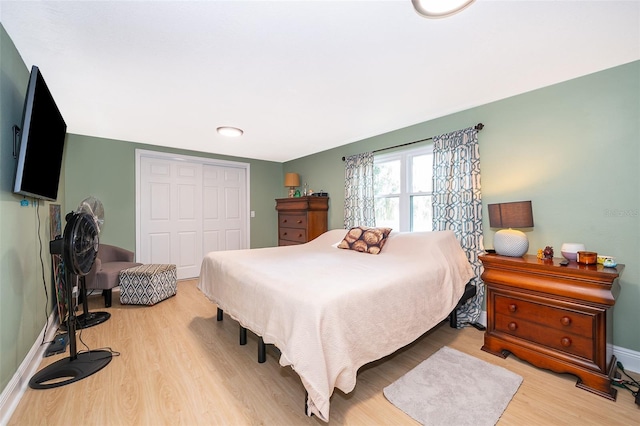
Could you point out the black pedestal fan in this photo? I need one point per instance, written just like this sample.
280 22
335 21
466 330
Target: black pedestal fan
79 250
86 319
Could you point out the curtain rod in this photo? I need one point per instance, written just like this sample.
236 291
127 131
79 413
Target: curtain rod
478 127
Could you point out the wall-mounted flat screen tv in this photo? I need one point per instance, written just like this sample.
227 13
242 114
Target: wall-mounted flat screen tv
41 142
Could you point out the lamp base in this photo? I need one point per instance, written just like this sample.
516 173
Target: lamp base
292 190
510 242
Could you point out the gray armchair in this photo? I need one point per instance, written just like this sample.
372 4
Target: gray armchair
106 269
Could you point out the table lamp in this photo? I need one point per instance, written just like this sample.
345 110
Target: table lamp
511 242
292 180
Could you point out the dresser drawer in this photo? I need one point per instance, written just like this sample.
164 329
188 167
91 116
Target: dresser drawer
293 234
554 338
549 316
288 243
293 220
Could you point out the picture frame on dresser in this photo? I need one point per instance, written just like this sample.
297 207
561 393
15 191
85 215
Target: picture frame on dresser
556 317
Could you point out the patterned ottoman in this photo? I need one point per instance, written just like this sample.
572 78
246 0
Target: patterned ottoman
147 284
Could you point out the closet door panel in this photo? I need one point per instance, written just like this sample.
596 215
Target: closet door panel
188 207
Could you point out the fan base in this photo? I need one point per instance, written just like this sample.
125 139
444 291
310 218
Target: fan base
68 370
88 320
91 319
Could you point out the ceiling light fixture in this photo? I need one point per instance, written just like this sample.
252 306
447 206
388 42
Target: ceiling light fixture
232 132
439 8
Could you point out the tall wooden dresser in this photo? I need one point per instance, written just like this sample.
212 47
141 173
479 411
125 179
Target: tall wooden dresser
301 219
555 317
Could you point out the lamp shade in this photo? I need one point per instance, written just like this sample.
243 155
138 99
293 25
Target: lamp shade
291 179
518 214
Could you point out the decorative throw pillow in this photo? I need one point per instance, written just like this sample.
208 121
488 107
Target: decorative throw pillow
365 240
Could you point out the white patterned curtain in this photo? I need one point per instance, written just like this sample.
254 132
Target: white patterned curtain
457 204
358 191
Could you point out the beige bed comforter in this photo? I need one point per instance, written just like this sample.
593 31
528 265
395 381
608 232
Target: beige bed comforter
329 310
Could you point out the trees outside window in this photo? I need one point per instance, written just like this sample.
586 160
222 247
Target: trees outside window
403 188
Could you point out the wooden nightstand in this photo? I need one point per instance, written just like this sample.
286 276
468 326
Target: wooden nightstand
301 219
555 317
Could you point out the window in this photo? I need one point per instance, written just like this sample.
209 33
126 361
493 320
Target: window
403 189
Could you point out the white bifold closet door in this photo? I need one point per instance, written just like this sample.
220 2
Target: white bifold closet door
188 207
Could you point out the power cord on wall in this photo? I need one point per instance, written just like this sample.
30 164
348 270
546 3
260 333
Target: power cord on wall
44 281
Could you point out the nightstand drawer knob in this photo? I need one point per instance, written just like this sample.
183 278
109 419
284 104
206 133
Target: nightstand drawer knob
512 326
566 342
565 321
512 307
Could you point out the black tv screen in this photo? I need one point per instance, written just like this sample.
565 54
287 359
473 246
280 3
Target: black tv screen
41 142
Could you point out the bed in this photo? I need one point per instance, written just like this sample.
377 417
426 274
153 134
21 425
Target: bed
330 311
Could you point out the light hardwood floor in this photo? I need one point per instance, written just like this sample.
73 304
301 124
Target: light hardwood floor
179 366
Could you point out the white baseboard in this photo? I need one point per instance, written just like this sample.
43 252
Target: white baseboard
629 359
483 318
18 384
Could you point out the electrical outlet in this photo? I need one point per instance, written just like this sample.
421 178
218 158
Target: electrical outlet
24 203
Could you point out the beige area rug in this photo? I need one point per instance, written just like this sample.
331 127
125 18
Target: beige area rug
453 388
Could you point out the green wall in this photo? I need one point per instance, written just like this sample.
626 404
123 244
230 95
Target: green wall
573 149
24 231
105 169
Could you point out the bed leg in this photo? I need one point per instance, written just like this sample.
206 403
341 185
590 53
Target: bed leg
262 351
243 335
220 314
469 291
306 406
453 318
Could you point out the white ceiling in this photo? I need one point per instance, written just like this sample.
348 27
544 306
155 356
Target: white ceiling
301 76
